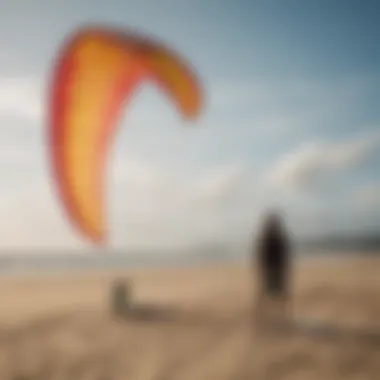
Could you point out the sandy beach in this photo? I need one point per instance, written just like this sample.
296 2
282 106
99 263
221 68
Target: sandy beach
198 327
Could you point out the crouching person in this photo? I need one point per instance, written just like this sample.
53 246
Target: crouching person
121 297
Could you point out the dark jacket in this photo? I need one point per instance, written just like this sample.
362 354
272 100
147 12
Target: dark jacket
274 254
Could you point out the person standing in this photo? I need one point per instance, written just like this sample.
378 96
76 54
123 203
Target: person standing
272 260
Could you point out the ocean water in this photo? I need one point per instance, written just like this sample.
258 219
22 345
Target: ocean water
19 263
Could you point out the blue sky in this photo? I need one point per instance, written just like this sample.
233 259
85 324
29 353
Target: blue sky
291 118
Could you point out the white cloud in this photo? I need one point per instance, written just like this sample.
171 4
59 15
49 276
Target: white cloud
21 97
221 185
152 206
368 197
316 161
31 219
172 207
149 206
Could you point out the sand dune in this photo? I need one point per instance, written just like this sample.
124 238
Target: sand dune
59 327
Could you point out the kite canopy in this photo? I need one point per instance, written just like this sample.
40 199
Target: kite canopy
95 75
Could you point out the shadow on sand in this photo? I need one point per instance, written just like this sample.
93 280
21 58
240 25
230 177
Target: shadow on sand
174 315
149 313
124 307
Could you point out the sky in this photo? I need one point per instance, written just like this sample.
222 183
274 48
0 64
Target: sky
290 120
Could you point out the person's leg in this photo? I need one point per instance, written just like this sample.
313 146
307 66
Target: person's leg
267 309
288 305
263 304
259 308
273 304
286 294
258 304
282 307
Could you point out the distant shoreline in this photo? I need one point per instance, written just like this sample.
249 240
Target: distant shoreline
45 264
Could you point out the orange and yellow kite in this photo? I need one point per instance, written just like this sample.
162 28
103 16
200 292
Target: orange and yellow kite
95 74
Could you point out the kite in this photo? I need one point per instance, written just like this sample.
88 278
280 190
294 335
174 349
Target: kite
94 77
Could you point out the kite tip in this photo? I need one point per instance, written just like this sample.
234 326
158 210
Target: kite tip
99 239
